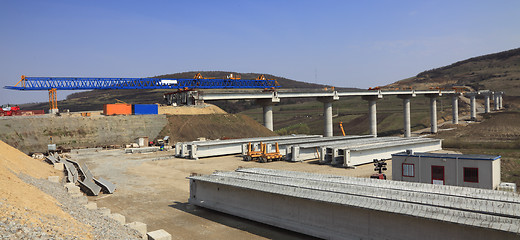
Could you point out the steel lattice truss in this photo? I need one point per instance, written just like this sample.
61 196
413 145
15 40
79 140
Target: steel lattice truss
71 83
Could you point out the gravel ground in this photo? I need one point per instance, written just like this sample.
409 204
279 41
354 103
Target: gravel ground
16 226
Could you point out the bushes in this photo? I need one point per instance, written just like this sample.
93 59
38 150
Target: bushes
300 128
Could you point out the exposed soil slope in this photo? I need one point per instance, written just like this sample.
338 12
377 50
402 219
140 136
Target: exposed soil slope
497 72
213 126
24 203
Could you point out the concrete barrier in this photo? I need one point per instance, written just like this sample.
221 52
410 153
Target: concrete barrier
119 218
159 235
139 227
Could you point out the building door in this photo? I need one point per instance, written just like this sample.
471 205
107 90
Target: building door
438 175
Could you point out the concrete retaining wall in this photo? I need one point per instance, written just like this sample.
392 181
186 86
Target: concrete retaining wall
33 133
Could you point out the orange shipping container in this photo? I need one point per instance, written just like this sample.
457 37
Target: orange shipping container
117 109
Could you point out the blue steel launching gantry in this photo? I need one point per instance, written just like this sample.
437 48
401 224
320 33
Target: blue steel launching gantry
182 85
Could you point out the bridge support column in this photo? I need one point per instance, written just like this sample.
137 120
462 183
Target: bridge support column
267 105
433 111
372 113
327 114
473 106
455 108
486 103
495 101
406 115
500 100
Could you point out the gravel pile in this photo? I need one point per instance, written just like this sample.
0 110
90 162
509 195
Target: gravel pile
16 226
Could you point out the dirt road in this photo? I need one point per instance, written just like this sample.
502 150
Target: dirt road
152 188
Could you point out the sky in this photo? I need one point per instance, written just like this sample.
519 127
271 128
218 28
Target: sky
340 43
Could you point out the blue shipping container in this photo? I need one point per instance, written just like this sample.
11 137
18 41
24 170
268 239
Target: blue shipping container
142 109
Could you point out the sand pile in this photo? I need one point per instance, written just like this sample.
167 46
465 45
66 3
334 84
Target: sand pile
24 207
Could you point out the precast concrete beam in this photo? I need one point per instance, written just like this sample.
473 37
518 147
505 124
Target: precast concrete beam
406 114
372 112
334 207
327 114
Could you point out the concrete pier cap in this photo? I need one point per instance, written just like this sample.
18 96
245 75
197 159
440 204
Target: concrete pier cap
372 112
327 113
406 113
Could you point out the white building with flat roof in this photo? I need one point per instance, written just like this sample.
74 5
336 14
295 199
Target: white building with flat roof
466 170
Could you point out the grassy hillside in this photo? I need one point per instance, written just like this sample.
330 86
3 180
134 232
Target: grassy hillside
497 72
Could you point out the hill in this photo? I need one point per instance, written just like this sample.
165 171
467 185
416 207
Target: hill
497 72
94 100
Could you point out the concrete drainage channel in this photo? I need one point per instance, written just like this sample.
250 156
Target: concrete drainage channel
79 173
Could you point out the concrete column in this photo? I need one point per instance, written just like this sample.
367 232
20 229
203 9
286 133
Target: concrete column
495 101
455 108
500 101
473 106
406 115
268 117
372 113
486 103
267 105
433 112
327 115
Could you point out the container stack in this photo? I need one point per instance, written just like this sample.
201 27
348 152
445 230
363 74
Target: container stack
129 109
117 109
144 109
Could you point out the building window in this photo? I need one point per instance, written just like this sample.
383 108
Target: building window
408 170
471 175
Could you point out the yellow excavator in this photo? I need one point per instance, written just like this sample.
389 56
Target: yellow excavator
341 127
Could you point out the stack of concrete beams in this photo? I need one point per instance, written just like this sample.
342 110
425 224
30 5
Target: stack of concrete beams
359 150
212 148
335 207
285 146
352 153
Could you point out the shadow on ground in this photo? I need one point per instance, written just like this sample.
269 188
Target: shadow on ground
243 224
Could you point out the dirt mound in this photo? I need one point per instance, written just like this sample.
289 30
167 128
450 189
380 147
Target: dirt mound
23 203
191 110
213 126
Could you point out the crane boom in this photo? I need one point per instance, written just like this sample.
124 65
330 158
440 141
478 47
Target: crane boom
86 83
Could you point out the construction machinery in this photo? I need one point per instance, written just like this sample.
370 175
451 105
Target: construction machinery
8 110
341 127
263 156
52 84
380 166
253 155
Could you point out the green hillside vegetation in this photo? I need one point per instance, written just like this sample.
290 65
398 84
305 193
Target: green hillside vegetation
496 72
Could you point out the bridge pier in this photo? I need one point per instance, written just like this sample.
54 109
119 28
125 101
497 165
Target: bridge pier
500 100
372 113
406 114
473 105
455 108
495 101
486 103
327 114
267 105
433 111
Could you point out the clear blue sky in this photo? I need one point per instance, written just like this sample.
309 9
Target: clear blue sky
347 43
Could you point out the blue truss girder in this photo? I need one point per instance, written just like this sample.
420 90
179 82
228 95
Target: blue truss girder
71 83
